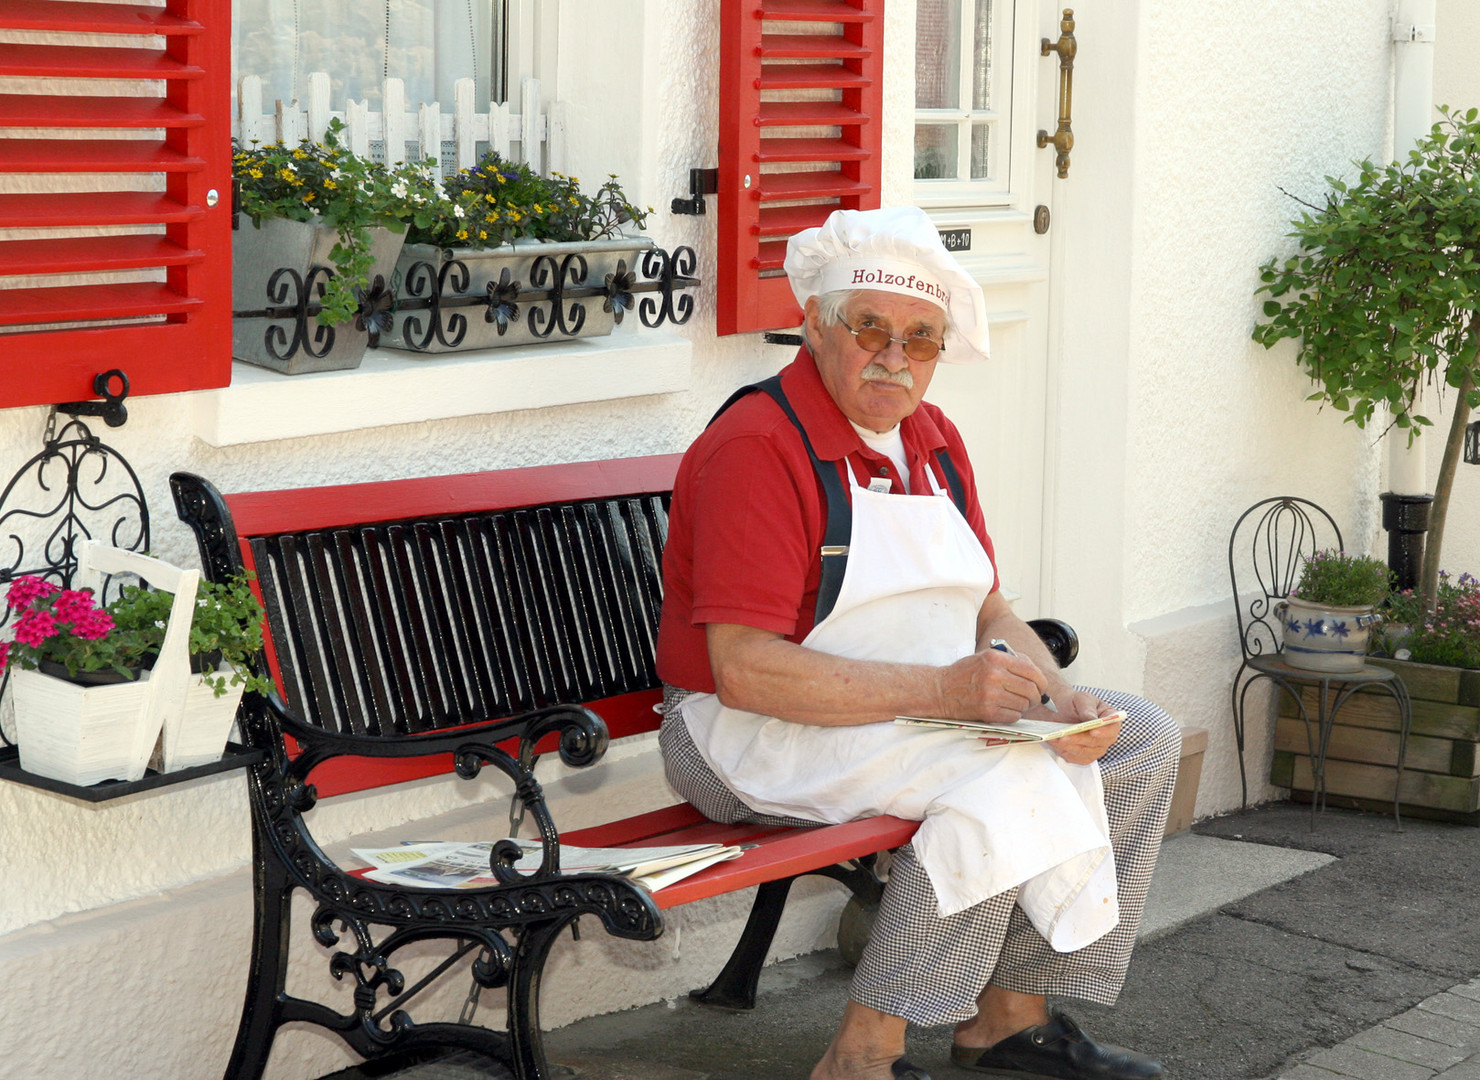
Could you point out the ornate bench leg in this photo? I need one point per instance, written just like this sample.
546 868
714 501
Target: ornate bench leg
524 998
735 986
261 1012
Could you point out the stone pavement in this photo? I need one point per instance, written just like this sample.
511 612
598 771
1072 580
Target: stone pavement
1437 1039
1271 951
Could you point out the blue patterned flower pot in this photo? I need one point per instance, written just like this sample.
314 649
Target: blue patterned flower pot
1320 637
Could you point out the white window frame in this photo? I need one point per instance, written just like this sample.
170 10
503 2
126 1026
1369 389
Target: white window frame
1006 91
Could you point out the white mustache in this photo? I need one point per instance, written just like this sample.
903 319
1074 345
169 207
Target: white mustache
877 372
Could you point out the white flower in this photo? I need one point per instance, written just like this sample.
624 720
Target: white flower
458 211
398 189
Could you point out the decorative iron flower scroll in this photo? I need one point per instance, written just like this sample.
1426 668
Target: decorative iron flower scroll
429 300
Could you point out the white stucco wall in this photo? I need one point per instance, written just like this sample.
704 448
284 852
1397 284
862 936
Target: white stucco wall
1166 420
1173 420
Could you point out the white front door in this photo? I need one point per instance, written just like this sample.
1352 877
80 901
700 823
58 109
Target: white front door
982 93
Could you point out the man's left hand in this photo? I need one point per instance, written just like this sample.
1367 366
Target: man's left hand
1087 746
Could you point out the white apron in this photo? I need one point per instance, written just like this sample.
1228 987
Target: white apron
992 817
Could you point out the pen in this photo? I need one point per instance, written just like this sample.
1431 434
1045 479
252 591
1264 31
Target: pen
1002 646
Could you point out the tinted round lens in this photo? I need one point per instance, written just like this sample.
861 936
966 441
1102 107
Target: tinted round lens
921 349
872 338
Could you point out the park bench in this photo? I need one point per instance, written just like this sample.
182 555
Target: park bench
422 626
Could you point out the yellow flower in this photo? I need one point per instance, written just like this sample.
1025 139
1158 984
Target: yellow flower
482 234
331 185
300 154
515 215
462 234
538 209
308 196
501 179
255 174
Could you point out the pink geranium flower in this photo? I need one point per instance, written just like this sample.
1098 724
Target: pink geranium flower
4 656
94 626
73 605
34 627
25 591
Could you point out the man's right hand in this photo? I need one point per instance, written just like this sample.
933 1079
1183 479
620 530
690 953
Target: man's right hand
990 685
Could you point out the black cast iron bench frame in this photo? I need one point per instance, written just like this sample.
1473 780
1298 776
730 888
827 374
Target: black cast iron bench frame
423 626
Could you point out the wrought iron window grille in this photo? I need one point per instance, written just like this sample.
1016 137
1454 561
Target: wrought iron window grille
431 300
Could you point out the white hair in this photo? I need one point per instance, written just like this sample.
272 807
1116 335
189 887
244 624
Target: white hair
831 305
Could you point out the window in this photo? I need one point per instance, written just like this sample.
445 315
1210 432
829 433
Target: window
963 91
427 44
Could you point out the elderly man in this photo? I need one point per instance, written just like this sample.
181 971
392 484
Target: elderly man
828 570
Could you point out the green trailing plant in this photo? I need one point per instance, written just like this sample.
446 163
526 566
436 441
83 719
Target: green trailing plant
327 183
497 202
1448 634
226 627
1383 296
1342 580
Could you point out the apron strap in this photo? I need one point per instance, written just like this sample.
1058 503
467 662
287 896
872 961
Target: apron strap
839 528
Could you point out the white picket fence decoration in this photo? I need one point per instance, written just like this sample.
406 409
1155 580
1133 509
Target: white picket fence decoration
540 137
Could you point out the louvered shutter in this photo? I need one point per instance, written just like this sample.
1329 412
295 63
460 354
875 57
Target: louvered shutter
155 137
801 103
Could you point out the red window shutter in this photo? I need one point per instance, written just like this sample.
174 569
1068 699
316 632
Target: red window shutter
801 104
179 331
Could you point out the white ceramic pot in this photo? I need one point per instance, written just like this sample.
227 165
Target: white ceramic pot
257 254
1321 637
506 315
83 734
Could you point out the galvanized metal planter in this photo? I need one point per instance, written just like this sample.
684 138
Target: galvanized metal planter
278 275
456 299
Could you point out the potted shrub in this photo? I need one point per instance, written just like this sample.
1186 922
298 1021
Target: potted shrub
225 634
500 232
1384 296
92 714
1327 620
334 219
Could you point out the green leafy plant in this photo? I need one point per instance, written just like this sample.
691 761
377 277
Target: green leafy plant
1449 634
1384 295
498 202
326 182
1342 580
227 627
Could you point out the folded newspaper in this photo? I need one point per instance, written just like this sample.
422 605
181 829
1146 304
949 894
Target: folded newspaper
1018 731
451 864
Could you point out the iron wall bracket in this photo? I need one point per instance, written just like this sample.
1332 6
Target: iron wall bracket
702 182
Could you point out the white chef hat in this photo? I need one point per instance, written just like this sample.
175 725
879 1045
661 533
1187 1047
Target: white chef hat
897 249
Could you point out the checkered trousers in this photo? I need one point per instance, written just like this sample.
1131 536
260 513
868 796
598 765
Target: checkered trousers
930 969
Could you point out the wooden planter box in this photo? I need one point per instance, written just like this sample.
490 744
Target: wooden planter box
1441 773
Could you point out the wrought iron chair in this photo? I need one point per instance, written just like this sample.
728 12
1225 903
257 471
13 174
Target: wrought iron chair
1267 548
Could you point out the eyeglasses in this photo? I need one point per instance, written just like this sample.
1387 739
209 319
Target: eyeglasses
876 339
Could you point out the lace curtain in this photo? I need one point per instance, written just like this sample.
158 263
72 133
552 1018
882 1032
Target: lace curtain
427 43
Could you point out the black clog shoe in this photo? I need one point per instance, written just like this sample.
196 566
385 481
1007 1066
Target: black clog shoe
1057 1050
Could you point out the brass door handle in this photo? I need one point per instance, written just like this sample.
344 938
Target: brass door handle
1062 139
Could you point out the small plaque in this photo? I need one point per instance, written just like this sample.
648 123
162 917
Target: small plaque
956 239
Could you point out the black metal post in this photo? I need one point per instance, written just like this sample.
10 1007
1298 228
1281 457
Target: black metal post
1406 519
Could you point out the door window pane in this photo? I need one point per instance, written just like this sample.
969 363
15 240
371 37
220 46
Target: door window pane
981 56
937 54
935 152
981 164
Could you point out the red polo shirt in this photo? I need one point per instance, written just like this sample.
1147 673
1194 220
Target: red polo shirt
748 515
